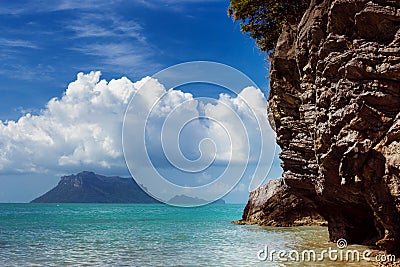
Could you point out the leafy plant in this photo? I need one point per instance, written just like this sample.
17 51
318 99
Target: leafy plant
264 19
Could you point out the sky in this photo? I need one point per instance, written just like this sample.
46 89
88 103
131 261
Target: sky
70 68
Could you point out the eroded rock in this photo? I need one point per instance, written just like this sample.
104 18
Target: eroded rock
335 98
275 205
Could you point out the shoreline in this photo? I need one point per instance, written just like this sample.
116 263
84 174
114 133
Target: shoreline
305 221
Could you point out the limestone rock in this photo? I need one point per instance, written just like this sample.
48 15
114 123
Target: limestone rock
335 99
275 205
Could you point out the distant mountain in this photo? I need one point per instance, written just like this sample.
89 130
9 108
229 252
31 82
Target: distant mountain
88 187
187 201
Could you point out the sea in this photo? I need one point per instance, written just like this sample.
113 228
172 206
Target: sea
156 235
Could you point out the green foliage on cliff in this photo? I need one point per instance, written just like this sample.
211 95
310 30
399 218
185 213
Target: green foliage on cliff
264 19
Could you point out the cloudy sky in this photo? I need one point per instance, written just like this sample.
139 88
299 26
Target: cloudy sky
70 68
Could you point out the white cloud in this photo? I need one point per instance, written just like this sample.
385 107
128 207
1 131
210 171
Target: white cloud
113 41
28 7
82 129
172 4
38 72
17 43
249 104
108 40
94 25
120 55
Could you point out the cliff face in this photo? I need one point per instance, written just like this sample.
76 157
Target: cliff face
335 99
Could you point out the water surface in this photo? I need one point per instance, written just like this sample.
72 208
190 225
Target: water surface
145 235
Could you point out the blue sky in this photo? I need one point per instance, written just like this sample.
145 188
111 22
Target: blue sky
44 44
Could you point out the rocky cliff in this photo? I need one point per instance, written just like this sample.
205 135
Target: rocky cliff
335 99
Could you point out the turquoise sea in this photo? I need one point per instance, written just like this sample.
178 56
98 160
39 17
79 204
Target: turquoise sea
144 235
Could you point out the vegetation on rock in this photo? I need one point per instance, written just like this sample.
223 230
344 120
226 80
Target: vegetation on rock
264 19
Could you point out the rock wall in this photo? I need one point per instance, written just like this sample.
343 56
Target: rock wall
335 99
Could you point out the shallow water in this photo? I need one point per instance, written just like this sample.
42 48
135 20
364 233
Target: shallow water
148 235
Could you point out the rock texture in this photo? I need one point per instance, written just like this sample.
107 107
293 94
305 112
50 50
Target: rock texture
275 205
335 99
88 187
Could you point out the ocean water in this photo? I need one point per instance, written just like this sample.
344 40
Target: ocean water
147 235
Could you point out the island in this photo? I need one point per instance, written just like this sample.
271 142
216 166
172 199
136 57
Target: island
89 187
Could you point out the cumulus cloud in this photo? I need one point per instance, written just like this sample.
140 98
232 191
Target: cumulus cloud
83 129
